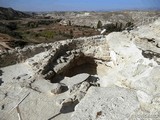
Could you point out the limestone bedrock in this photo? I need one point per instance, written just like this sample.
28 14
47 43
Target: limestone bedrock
100 77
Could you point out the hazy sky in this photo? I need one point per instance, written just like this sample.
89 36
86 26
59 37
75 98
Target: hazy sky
76 5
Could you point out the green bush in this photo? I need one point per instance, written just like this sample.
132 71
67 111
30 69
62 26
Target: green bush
99 24
110 27
47 34
12 26
8 29
69 23
129 24
45 22
32 24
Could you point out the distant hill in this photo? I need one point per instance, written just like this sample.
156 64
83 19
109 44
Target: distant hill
11 14
138 17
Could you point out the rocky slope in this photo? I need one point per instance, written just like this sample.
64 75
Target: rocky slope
100 77
91 18
10 14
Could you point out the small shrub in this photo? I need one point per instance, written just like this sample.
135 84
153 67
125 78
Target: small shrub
12 26
69 23
47 34
99 24
32 24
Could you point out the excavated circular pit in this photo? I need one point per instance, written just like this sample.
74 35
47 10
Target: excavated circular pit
80 65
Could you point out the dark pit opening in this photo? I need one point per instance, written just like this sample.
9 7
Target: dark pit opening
79 65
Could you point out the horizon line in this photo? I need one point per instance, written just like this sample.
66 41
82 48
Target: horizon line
109 10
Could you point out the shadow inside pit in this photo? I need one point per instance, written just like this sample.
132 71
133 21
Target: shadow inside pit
1 81
57 78
82 64
64 88
66 109
1 72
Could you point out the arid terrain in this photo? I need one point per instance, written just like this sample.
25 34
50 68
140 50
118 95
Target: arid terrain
19 29
57 66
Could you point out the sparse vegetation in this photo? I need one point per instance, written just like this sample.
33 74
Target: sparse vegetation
12 25
118 26
129 25
99 24
32 24
38 31
47 34
69 23
110 27
49 30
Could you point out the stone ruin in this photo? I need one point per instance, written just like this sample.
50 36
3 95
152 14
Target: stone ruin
91 78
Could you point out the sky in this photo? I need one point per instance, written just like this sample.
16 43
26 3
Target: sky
80 5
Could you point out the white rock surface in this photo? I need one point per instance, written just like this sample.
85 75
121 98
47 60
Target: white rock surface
70 82
106 104
45 86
